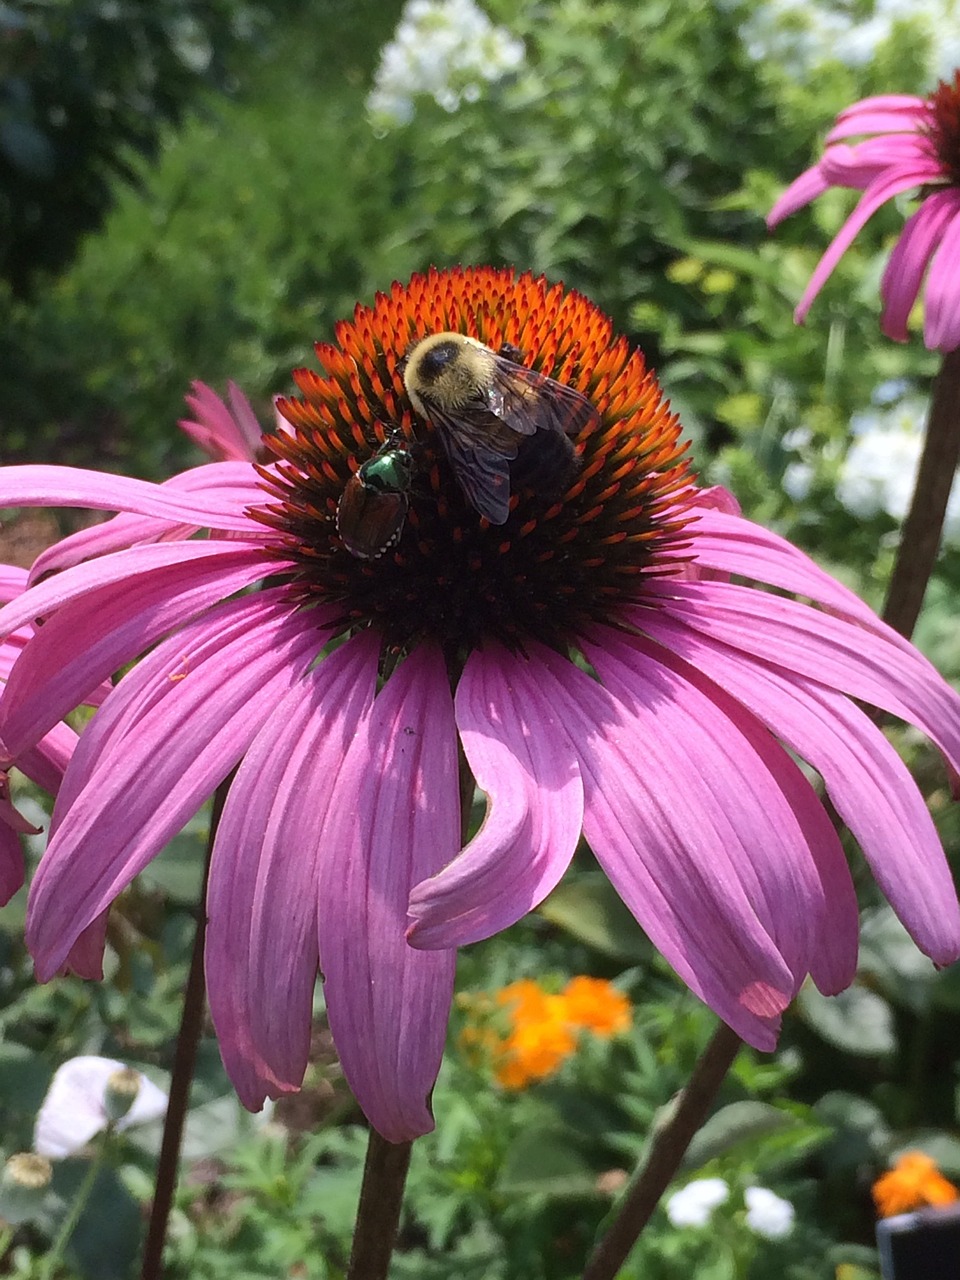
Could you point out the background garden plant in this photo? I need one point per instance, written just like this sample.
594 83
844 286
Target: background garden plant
603 158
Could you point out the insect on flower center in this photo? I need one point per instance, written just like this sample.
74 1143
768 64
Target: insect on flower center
480 457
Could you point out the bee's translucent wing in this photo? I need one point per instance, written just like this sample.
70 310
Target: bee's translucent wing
527 401
480 456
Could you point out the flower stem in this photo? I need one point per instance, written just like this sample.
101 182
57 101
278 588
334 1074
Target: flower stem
378 1216
185 1055
664 1155
923 527
69 1224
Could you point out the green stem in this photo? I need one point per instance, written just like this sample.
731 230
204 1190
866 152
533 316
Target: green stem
69 1224
185 1056
923 526
664 1155
378 1215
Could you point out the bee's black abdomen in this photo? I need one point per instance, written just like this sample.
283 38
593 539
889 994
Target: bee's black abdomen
546 462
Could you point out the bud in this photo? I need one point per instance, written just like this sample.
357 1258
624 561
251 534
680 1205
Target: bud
121 1093
23 1186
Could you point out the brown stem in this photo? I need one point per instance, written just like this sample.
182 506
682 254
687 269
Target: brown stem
664 1155
378 1217
191 1024
922 529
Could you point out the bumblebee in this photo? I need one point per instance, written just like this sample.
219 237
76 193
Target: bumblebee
490 411
375 501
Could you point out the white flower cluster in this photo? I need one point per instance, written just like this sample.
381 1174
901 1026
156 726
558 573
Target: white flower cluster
880 469
445 48
767 1214
804 34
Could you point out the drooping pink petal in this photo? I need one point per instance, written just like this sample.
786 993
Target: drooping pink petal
45 763
662 819
899 178
233 482
802 191
862 663
862 164
196 701
11 856
44 486
734 545
866 780
911 254
521 758
799 885
891 112
13 580
107 613
941 328
387 1003
85 957
261 950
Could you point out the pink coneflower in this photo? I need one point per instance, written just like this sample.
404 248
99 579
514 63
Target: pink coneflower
227 432
916 146
43 762
592 657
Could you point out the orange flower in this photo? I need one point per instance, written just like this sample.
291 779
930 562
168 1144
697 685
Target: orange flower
534 1051
597 1005
913 1181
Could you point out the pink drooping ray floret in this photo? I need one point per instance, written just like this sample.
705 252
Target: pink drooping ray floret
915 147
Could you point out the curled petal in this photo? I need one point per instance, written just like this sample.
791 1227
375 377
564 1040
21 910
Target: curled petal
521 758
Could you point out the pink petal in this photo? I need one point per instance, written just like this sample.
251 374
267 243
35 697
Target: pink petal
261 951
521 758
733 545
86 954
43 486
868 783
802 191
107 612
859 165
865 664
11 857
12 582
228 433
941 330
895 181
233 482
45 763
665 818
167 735
893 112
802 891
904 274
387 1003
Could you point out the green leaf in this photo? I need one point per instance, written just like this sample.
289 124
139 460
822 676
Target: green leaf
589 908
731 1127
856 1020
545 1162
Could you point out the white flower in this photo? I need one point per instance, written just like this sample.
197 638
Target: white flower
444 48
693 1204
75 1109
880 469
767 1214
